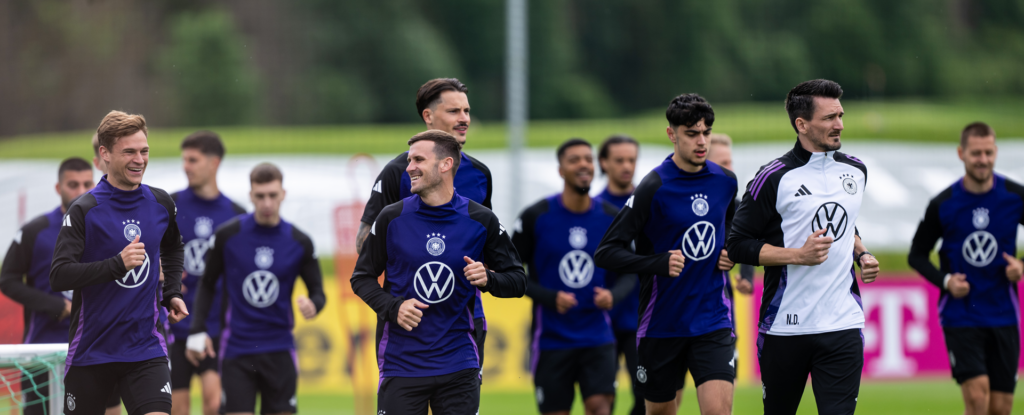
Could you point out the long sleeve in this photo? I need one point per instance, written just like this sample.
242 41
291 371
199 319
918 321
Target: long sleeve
385 189
747 272
506 277
208 283
310 272
523 238
747 230
373 260
929 231
16 266
66 272
624 285
172 250
615 253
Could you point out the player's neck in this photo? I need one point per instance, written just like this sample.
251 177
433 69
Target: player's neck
685 165
976 187
620 190
207 191
268 222
574 201
121 183
439 195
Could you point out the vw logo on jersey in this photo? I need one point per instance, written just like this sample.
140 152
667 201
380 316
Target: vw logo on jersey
131 229
264 257
260 288
427 279
699 241
832 217
980 248
578 237
849 184
700 204
576 269
135 277
435 245
195 256
980 219
204 227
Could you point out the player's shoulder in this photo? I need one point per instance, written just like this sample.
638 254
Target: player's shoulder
176 195
400 162
391 211
301 237
37 224
719 170
606 207
535 210
1012 186
161 197
850 160
478 212
82 204
230 227
477 164
238 209
944 195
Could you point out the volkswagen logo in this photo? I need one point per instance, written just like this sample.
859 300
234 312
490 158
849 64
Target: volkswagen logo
195 256
832 217
261 288
980 248
699 241
135 277
576 269
426 282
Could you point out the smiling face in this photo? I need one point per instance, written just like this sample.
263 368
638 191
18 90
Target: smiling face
450 114
823 130
691 143
426 172
620 166
126 161
199 168
979 157
576 166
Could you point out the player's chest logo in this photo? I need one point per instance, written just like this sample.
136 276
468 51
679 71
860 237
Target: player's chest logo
195 256
576 269
699 241
435 244
699 204
849 184
261 287
980 247
832 217
203 228
434 282
138 276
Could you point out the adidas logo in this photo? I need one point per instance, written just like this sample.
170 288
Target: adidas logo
166 388
629 202
803 191
67 221
377 187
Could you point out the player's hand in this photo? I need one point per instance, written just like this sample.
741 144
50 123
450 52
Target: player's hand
67 310
476 272
744 287
603 298
177 310
815 250
564 301
409 313
1014 267
195 357
958 285
676 261
306 307
134 254
724 264
868 268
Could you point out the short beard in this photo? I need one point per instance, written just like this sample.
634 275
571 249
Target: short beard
581 189
827 145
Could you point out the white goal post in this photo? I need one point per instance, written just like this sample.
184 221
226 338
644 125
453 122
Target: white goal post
20 360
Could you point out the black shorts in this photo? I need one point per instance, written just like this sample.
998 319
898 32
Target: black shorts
558 371
992 351
663 362
452 394
273 375
143 386
182 370
834 361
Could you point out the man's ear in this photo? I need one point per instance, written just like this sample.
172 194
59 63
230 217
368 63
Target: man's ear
428 116
801 125
671 134
960 152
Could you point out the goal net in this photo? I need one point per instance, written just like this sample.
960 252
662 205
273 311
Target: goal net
29 375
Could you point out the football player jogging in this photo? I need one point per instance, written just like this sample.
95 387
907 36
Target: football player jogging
201 209
260 256
431 247
573 340
798 219
443 105
25 276
678 216
977 219
106 252
617 157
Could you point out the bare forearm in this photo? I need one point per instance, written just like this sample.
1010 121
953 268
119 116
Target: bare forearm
364 231
771 256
